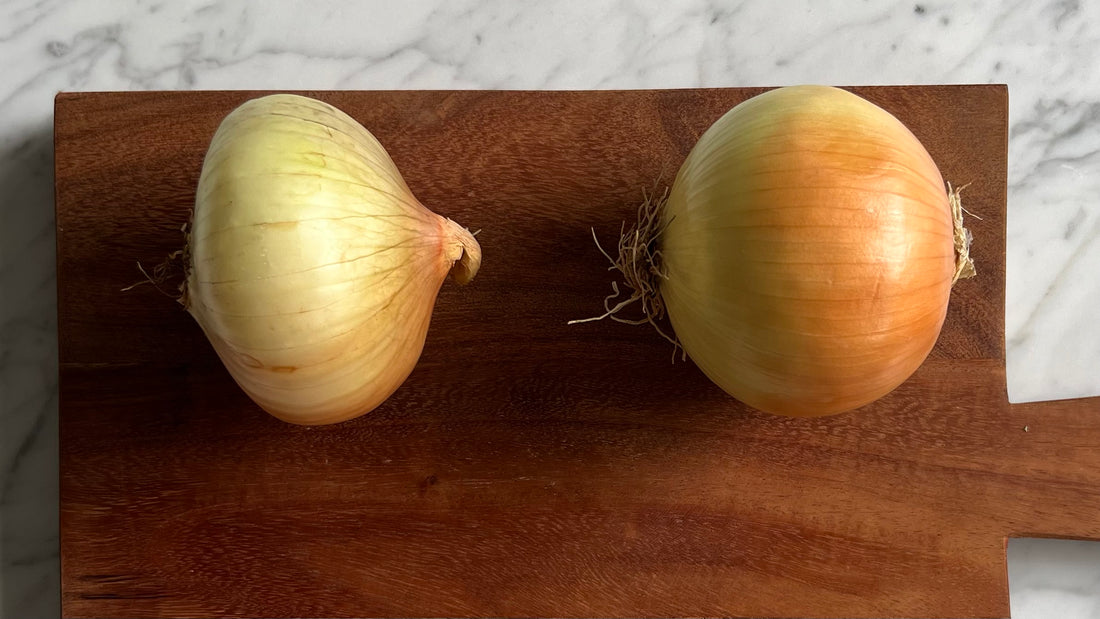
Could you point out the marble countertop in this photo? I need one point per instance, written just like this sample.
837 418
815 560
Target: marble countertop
1044 50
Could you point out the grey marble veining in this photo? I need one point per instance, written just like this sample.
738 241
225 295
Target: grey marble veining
1043 50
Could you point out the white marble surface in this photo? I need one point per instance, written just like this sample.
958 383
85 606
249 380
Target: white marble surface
1044 50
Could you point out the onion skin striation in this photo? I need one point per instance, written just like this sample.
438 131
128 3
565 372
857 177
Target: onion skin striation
313 270
807 252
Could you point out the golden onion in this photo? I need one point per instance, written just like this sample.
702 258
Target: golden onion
806 252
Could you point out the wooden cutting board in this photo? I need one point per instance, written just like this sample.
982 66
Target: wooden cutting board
527 467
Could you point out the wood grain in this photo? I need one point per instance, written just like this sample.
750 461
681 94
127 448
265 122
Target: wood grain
529 468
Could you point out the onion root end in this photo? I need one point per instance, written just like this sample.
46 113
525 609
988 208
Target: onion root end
639 262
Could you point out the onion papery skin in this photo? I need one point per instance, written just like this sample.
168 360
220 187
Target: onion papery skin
313 269
807 252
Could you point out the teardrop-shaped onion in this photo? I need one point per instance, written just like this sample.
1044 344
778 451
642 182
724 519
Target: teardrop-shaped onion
808 252
313 269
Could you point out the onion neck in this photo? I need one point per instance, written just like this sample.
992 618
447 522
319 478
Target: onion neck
463 251
964 264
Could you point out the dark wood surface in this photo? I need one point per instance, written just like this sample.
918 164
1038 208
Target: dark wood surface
529 468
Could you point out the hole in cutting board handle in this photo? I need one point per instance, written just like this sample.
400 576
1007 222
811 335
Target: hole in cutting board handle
1054 578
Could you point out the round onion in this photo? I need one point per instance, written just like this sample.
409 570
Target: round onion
806 252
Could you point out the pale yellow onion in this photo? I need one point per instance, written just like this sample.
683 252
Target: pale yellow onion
313 269
807 252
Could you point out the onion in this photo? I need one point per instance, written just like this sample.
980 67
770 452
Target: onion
313 270
805 254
